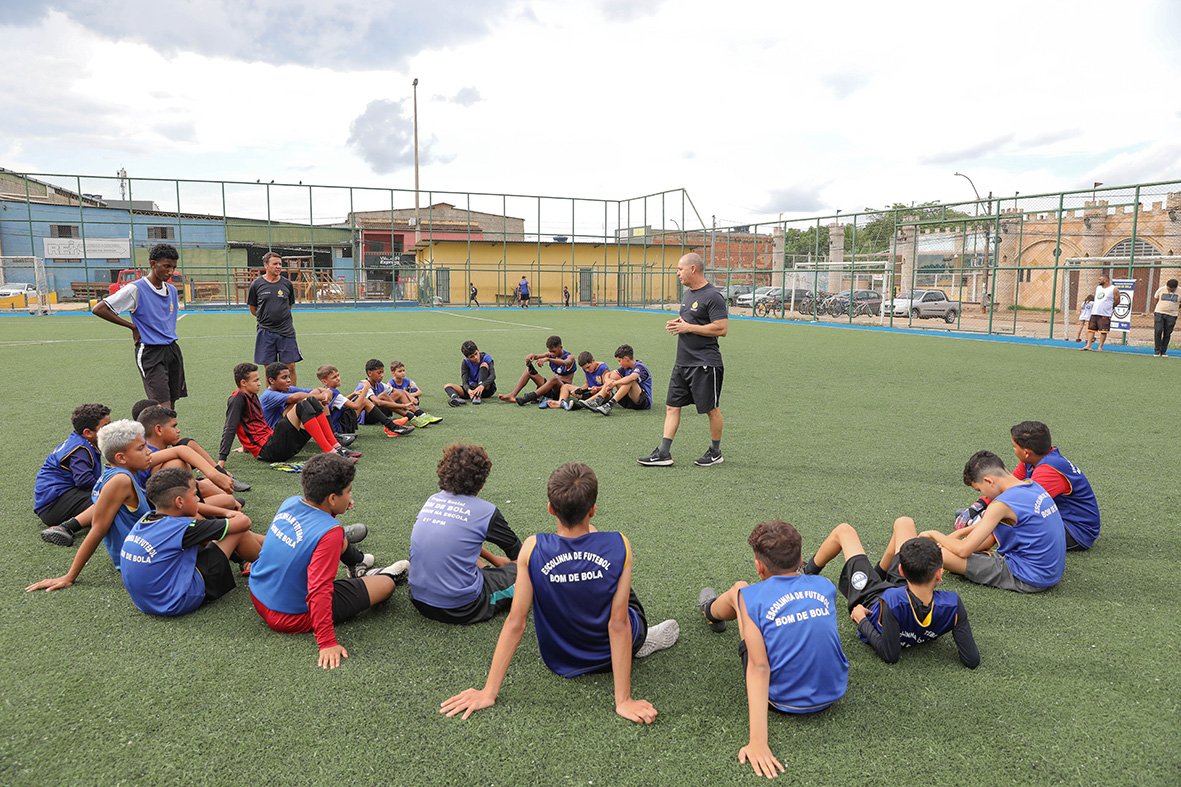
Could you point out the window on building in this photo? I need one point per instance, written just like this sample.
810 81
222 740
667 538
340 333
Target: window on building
1124 249
64 231
161 233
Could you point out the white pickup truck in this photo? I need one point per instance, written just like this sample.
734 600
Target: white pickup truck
922 304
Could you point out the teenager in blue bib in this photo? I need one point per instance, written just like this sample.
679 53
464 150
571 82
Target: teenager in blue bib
571 396
894 603
577 581
1023 519
790 650
1040 460
61 492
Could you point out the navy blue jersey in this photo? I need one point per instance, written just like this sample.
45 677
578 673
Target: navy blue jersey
595 379
1034 547
160 569
125 517
1078 506
797 617
645 377
279 578
407 385
559 367
472 370
444 545
912 630
574 581
74 463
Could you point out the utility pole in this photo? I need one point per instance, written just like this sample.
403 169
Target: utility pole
417 217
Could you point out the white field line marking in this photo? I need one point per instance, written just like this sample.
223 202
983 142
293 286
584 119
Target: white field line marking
181 317
498 322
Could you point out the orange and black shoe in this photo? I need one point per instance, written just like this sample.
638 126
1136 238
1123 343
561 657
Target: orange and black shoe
400 427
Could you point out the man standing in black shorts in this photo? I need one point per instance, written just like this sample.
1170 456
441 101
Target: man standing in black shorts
270 297
697 376
152 302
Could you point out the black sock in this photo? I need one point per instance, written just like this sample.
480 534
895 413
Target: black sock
666 445
715 446
707 610
221 469
810 567
419 411
351 556
380 417
72 525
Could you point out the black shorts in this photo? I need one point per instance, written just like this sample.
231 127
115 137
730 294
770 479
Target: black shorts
214 568
495 596
348 420
350 598
639 634
862 582
285 442
525 297
1099 323
162 368
489 391
645 403
699 385
1071 544
68 505
270 347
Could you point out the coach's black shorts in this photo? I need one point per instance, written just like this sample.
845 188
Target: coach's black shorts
68 505
699 385
285 442
863 582
495 596
162 368
270 347
215 569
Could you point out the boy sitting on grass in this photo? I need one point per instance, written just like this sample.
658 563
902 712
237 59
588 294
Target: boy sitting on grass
1027 527
400 382
629 386
293 582
447 543
477 375
61 493
570 396
587 616
345 413
790 650
164 441
143 404
895 604
561 363
118 500
172 561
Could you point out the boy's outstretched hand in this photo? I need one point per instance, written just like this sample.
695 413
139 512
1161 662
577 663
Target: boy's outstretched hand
330 658
467 702
57 583
639 711
761 760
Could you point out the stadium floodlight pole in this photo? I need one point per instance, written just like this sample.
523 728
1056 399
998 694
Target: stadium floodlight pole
417 222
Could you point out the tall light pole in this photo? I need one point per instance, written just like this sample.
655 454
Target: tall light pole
417 218
987 239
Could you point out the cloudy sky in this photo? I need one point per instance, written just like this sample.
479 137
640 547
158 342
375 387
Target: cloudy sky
755 108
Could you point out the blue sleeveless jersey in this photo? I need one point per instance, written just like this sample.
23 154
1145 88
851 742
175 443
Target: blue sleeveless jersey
559 368
911 629
645 377
1035 547
407 385
160 576
595 379
155 314
1078 507
142 476
797 617
279 578
125 518
444 545
473 369
55 477
574 580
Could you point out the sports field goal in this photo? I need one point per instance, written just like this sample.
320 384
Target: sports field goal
24 285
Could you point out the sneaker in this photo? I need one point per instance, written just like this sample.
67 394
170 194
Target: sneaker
346 439
662 636
455 401
241 486
355 534
706 597
59 535
604 408
397 430
564 404
578 404
543 403
399 572
477 400
419 421
710 457
656 459
431 419
362 568
527 398
347 453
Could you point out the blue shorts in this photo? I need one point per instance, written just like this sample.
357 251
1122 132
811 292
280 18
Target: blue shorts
270 347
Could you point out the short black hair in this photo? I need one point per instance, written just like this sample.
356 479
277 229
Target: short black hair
274 370
980 464
140 406
155 416
585 357
324 475
468 347
553 341
166 485
625 351
777 545
373 364
270 254
1171 284
242 371
1032 436
920 558
572 490
163 251
87 416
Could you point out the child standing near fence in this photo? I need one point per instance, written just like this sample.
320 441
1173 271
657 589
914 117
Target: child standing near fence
1084 316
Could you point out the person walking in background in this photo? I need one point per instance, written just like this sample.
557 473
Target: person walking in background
1165 317
523 289
566 296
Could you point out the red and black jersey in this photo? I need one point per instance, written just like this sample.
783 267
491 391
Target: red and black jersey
244 420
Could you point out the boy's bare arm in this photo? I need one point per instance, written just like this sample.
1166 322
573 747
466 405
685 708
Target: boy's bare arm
981 531
758 681
194 460
619 631
115 493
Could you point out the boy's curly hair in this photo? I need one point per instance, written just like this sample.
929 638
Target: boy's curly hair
463 469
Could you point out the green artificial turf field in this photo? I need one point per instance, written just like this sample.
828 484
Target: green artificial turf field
1077 685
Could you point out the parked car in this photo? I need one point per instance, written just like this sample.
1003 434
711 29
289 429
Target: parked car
922 304
10 290
733 291
751 298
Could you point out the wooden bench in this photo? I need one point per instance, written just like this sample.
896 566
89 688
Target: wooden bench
510 299
87 290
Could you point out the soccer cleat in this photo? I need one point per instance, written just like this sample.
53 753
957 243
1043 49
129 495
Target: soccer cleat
399 572
431 419
455 401
419 421
58 535
346 439
397 430
527 398
362 568
355 534
347 453
564 404
604 408
477 400
660 637
710 457
656 459
287 467
706 597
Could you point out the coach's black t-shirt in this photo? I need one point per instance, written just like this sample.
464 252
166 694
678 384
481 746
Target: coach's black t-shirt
701 307
273 301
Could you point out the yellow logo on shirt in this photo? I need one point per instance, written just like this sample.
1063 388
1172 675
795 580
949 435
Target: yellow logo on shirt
694 306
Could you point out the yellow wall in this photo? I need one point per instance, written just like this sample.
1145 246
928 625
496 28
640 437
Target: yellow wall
20 302
626 274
